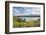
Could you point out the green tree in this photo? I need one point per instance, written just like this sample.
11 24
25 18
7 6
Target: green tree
24 20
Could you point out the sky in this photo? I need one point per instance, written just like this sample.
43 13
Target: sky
18 11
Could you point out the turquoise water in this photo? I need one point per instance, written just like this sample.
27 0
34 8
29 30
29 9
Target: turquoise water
29 18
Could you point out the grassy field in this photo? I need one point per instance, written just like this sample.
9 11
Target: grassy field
31 23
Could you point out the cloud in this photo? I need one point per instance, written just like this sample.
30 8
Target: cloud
25 11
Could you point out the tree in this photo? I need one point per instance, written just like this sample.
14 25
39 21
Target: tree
18 19
24 20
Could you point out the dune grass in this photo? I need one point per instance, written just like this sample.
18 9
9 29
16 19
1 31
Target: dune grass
33 23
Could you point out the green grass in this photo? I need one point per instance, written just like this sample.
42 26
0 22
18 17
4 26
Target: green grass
33 23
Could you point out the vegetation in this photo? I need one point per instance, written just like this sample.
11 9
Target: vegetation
18 22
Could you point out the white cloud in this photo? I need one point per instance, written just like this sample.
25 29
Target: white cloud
27 11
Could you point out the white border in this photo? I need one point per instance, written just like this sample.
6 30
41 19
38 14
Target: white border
11 29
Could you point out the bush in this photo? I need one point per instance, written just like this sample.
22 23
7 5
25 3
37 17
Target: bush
24 20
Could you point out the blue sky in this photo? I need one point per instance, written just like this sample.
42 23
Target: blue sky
17 11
